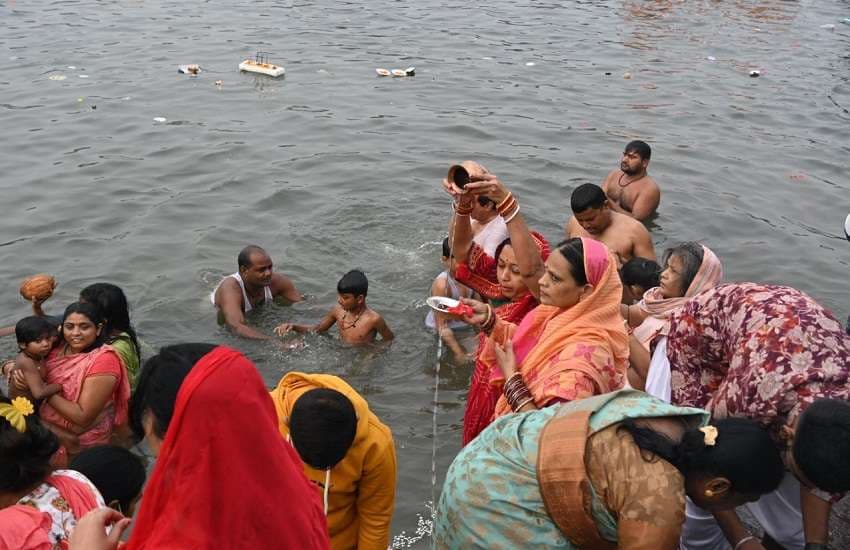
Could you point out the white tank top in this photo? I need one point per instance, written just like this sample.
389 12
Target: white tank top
246 303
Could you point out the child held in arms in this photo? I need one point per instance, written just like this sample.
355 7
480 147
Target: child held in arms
35 338
357 323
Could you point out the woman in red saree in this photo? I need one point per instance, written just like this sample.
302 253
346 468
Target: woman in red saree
95 388
224 477
508 281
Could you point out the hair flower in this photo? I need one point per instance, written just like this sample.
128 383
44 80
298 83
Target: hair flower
709 435
16 412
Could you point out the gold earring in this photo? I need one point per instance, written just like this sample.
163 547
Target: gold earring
709 493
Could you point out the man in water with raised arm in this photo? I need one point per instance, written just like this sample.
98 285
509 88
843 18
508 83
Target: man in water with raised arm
593 217
253 285
630 190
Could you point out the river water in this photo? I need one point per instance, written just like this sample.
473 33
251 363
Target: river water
332 168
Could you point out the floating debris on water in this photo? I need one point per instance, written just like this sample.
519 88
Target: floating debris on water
83 75
57 77
711 58
410 71
159 119
627 75
192 69
219 83
530 64
755 73
72 67
260 65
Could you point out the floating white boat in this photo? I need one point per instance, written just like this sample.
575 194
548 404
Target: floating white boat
260 65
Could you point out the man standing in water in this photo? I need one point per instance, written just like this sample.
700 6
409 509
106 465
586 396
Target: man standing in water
253 285
593 217
630 190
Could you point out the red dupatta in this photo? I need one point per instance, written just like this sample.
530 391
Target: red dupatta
225 478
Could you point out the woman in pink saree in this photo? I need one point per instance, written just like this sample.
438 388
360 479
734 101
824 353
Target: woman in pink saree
95 388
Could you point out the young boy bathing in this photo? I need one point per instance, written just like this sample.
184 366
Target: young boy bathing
356 322
35 340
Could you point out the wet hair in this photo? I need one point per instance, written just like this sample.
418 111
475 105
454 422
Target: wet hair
322 427
585 196
113 303
117 473
32 328
744 453
573 251
486 201
642 148
447 249
641 272
159 383
691 254
244 257
93 313
822 445
354 282
24 457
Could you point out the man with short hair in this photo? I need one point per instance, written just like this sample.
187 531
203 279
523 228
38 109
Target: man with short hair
593 217
253 285
630 190
347 453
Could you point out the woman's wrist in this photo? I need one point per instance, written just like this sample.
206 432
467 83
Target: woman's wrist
489 321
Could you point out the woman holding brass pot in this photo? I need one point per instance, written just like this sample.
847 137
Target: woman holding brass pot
571 346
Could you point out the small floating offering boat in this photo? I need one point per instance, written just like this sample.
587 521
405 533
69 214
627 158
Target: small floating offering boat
260 65
410 71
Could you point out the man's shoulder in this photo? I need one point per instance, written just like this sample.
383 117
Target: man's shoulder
229 285
625 222
280 283
612 175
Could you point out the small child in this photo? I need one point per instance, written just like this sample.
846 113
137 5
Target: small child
357 323
35 340
117 473
445 285
639 275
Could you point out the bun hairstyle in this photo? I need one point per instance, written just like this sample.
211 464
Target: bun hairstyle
743 453
24 456
112 301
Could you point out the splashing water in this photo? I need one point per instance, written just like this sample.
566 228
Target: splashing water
424 529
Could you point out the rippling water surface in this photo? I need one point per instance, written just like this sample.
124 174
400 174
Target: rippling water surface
333 168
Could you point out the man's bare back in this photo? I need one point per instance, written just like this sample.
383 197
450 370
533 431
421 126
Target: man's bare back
625 236
638 197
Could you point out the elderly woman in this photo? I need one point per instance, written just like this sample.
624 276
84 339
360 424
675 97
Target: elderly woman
610 471
690 268
224 477
95 389
508 279
774 355
39 507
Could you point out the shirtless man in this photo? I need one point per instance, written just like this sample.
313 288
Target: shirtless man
357 323
630 190
593 217
252 286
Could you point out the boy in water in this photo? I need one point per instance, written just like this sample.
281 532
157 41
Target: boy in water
35 340
357 323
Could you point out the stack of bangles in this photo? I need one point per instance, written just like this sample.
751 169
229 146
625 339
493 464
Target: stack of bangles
489 321
508 208
462 210
516 392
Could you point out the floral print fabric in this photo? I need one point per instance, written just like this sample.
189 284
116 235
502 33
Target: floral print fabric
757 351
46 498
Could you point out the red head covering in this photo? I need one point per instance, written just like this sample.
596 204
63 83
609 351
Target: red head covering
225 478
